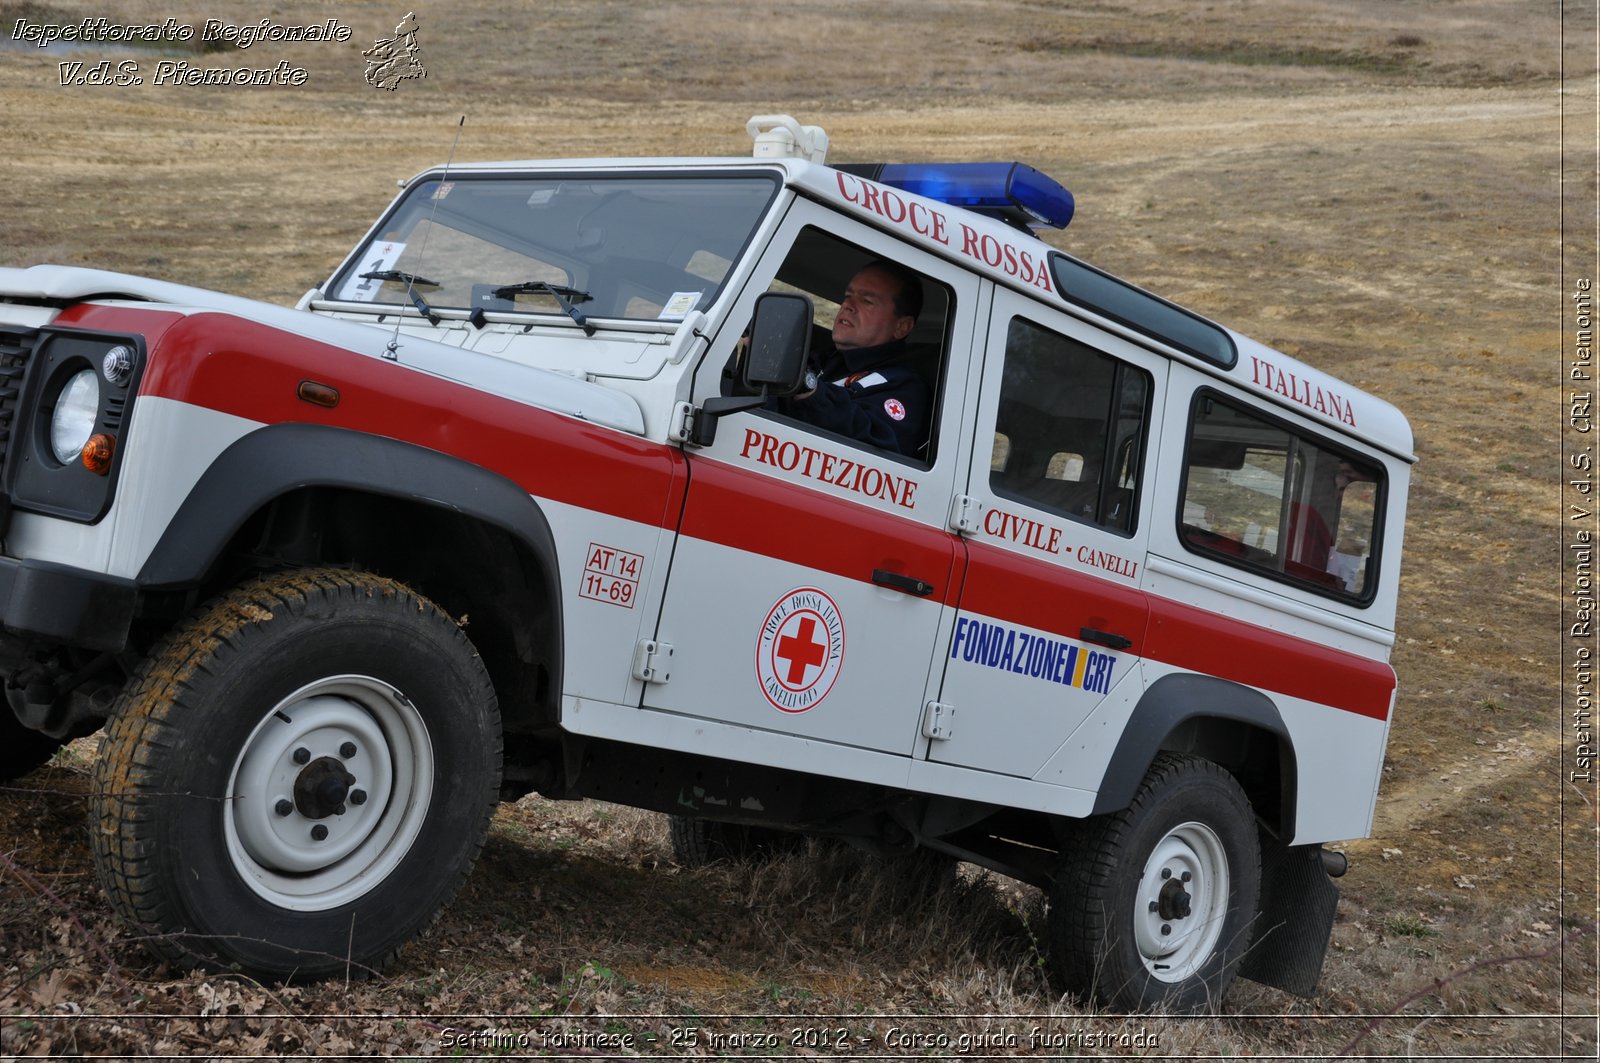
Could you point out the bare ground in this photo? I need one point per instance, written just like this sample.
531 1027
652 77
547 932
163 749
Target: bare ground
1374 188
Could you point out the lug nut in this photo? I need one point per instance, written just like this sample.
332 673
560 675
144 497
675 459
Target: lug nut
1165 929
319 832
347 750
1166 872
283 807
302 755
1186 876
358 797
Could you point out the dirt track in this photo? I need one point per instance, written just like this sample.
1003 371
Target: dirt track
1387 210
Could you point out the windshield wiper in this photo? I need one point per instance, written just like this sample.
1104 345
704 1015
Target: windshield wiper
398 275
565 298
410 280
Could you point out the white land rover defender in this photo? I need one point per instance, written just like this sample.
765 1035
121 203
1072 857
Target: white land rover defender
520 500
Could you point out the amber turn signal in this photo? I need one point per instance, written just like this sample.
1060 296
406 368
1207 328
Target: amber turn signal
318 394
97 453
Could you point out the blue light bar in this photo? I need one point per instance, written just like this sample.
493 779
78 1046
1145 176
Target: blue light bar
1009 191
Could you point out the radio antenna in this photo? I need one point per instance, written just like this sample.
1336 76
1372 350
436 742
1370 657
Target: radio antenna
411 282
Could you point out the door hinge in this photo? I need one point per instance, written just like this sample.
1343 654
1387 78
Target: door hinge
652 661
681 429
939 721
966 515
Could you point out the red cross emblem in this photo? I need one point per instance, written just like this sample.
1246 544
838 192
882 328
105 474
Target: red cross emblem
800 650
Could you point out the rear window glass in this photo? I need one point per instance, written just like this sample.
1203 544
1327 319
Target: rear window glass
1261 495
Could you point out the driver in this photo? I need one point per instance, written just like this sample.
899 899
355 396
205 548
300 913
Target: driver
866 389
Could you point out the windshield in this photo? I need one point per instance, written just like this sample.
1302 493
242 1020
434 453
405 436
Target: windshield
645 247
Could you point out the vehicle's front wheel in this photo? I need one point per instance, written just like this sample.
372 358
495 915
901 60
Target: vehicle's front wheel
297 780
1154 905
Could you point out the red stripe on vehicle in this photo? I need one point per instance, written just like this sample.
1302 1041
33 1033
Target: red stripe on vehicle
1198 640
253 371
745 510
151 324
216 360
1024 590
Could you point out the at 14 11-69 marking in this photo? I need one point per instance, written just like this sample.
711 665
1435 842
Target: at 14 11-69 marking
611 575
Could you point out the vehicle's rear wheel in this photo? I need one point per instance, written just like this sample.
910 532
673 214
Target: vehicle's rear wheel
1154 905
297 780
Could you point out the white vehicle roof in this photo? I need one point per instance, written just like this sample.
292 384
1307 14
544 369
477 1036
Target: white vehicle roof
1010 256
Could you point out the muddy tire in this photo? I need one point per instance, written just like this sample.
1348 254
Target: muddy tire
297 780
22 749
1154 906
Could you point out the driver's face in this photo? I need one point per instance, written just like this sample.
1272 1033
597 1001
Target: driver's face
867 316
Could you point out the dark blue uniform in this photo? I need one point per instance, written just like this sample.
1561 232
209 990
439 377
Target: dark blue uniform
871 395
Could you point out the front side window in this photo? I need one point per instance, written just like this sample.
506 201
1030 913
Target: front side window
643 247
1261 495
879 346
1070 428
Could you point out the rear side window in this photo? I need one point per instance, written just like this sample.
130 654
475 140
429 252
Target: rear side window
1262 495
1070 430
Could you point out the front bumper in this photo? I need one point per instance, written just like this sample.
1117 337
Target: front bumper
70 605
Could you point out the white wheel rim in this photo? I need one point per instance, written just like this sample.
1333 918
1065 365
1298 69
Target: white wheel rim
1182 902
308 847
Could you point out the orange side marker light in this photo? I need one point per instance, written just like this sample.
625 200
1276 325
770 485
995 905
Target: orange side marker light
97 453
324 395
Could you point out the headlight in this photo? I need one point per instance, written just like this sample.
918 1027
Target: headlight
73 421
69 416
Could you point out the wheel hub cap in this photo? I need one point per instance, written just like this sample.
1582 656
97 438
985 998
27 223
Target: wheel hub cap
321 789
329 792
1174 902
1182 902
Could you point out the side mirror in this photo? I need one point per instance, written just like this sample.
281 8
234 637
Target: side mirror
780 343
774 362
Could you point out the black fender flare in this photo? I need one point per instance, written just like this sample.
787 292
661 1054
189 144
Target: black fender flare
1168 703
277 459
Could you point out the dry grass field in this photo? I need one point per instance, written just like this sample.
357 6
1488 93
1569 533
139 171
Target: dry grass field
1374 187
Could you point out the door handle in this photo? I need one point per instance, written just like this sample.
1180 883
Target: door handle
895 581
1104 638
